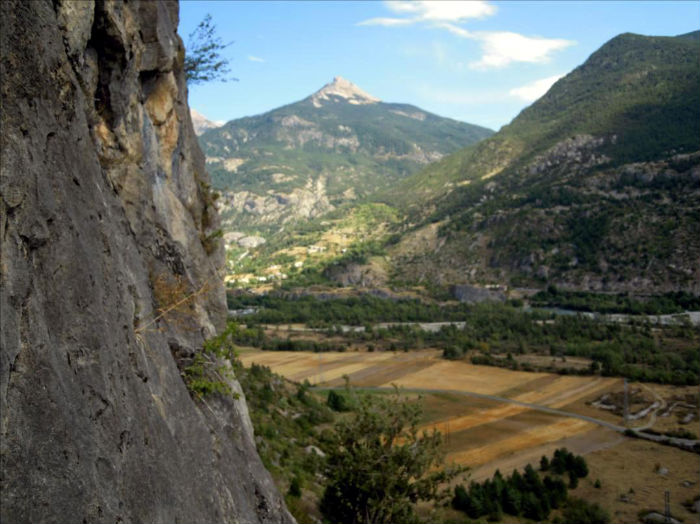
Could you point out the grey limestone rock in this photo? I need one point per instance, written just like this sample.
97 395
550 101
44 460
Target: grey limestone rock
106 222
475 295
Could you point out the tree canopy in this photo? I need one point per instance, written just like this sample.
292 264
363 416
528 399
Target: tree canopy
203 59
380 465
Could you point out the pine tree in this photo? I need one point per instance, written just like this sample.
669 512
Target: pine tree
203 60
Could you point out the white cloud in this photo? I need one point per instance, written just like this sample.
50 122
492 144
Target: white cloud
500 48
255 58
532 91
433 11
456 30
388 22
442 10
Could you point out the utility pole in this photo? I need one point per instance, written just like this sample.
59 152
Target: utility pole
626 408
320 366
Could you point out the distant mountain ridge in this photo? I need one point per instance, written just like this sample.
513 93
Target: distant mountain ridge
337 145
595 186
202 123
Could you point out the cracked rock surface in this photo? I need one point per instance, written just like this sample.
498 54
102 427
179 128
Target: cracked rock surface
106 221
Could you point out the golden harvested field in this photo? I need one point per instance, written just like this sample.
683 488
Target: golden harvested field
526 438
427 370
479 431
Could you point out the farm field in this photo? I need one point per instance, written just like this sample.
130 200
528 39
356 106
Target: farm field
480 431
489 433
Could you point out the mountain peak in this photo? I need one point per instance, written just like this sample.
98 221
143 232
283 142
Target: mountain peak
342 88
201 123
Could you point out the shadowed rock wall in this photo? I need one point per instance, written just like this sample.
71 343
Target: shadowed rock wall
110 278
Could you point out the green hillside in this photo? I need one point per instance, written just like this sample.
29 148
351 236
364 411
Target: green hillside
644 90
381 145
595 185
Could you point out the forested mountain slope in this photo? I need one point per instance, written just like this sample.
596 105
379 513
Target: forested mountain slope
596 185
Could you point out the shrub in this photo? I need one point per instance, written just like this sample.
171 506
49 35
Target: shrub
378 465
337 401
295 488
578 511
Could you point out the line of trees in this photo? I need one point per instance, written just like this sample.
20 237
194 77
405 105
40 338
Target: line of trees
317 312
639 351
668 303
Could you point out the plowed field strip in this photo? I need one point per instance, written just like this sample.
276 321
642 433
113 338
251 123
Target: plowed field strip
479 418
460 376
522 440
497 430
388 372
537 384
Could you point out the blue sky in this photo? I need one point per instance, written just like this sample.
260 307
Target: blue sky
477 61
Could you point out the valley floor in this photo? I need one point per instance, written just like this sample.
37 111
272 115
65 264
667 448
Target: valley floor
494 418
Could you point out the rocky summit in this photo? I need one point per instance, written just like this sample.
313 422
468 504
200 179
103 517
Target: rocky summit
341 90
111 281
200 123
335 146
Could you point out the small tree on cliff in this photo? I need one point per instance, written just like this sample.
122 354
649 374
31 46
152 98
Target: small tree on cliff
379 465
203 60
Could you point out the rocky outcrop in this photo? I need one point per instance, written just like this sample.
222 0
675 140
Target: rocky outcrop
577 154
110 278
476 295
352 274
342 89
200 123
276 208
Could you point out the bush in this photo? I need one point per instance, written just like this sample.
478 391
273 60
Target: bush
578 511
295 488
579 467
337 402
573 480
452 353
378 466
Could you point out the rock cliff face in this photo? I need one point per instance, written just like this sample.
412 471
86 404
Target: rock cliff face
110 278
249 209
